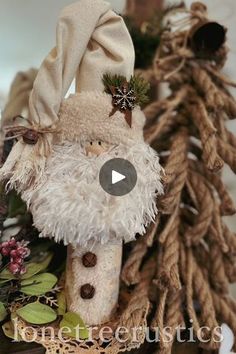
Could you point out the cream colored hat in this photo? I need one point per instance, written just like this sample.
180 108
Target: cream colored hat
90 114
92 41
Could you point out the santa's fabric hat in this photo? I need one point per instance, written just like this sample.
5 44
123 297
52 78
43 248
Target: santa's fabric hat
108 60
92 41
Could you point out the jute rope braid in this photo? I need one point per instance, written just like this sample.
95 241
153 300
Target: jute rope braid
229 106
179 79
227 206
225 134
130 272
164 125
219 122
153 109
212 96
173 316
199 282
173 192
216 229
169 105
207 133
147 74
231 302
218 76
138 306
175 127
158 320
170 224
231 138
178 156
227 153
195 196
205 208
197 285
224 312
230 269
152 232
192 196
168 274
175 172
183 263
218 274
189 292
202 255
230 239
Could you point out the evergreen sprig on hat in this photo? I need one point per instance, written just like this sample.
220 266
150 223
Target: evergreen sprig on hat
126 95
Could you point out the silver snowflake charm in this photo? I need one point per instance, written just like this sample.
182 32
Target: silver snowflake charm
124 98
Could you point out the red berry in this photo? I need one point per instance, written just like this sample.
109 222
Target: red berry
18 260
5 244
12 243
23 252
14 253
14 268
5 251
20 251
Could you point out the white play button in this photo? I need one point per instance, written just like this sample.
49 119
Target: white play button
116 177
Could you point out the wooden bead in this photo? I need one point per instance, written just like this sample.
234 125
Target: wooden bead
87 291
31 137
89 260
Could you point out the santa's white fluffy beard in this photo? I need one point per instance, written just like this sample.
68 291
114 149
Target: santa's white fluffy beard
70 205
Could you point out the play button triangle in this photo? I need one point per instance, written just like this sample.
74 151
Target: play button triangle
116 177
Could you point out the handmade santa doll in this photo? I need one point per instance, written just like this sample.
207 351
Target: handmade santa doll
58 158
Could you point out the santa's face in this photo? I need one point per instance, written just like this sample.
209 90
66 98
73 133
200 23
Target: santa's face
80 211
95 147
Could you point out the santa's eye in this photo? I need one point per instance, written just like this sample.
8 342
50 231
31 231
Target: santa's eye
99 143
91 143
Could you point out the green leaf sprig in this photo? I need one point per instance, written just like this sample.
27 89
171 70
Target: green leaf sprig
139 85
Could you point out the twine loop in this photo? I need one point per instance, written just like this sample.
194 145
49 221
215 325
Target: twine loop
31 133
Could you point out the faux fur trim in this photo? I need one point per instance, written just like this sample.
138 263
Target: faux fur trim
86 116
72 206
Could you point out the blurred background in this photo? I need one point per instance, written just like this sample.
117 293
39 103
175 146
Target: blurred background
27 33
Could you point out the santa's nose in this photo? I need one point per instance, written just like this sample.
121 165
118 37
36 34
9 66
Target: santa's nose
95 148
